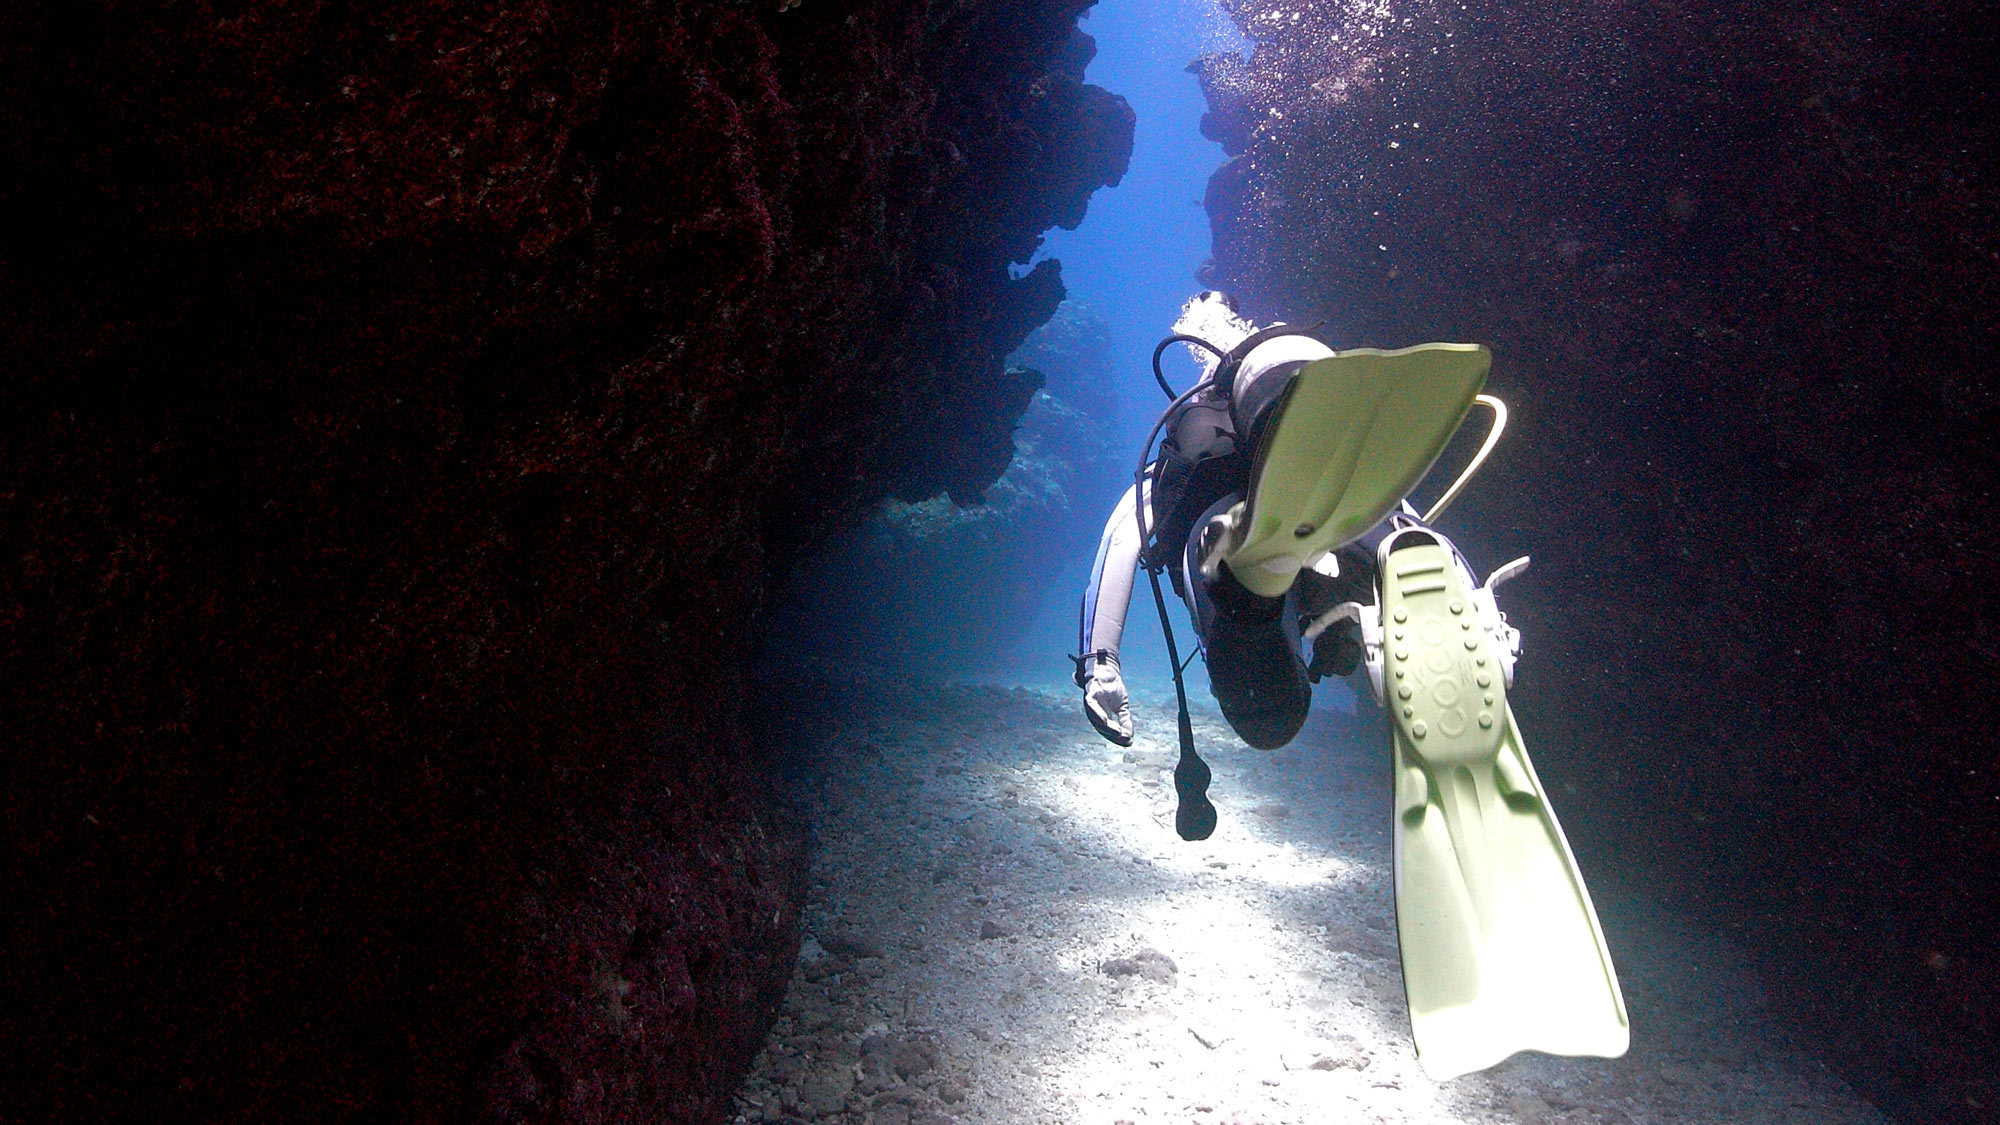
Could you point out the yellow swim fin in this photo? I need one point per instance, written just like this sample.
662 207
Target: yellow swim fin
1357 431
1502 951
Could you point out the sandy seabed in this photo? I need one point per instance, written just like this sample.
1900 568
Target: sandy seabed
1004 929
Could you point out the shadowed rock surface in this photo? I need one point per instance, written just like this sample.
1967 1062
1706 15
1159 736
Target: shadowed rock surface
1739 268
401 410
931 586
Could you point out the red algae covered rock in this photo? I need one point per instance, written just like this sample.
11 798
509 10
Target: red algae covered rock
402 407
1739 269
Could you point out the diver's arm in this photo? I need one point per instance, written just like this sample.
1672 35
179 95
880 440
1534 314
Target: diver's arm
1102 623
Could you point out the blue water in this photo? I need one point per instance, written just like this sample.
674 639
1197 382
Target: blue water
1135 256
1133 260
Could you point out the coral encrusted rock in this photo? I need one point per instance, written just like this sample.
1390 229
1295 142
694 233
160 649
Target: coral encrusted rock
1739 267
937 588
401 408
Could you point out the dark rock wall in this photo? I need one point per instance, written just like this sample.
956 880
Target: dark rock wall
1739 264
400 410
935 589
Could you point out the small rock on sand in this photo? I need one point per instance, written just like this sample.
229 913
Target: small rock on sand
1149 963
1338 1053
849 943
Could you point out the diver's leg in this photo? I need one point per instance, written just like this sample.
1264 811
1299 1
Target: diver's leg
1337 650
1251 646
1343 443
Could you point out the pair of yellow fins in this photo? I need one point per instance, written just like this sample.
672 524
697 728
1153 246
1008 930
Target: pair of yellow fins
1501 948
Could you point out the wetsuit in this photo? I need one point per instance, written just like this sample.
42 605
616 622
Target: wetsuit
1250 643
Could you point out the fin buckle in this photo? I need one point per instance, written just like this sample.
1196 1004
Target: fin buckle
1506 638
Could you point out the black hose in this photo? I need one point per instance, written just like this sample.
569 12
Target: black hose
1194 813
1139 504
1178 338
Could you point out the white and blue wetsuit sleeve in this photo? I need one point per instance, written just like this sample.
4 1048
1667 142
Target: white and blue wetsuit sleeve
1101 624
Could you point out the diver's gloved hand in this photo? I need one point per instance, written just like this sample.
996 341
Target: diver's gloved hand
1105 702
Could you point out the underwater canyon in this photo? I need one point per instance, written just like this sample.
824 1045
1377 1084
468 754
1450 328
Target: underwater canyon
416 421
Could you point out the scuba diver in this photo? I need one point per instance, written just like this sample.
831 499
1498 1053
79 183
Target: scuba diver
1279 507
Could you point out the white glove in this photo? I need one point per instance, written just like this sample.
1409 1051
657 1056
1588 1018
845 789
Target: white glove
1105 703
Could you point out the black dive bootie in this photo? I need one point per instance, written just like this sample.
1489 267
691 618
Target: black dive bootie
1253 665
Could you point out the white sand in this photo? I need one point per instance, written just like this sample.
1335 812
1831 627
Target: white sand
944 814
